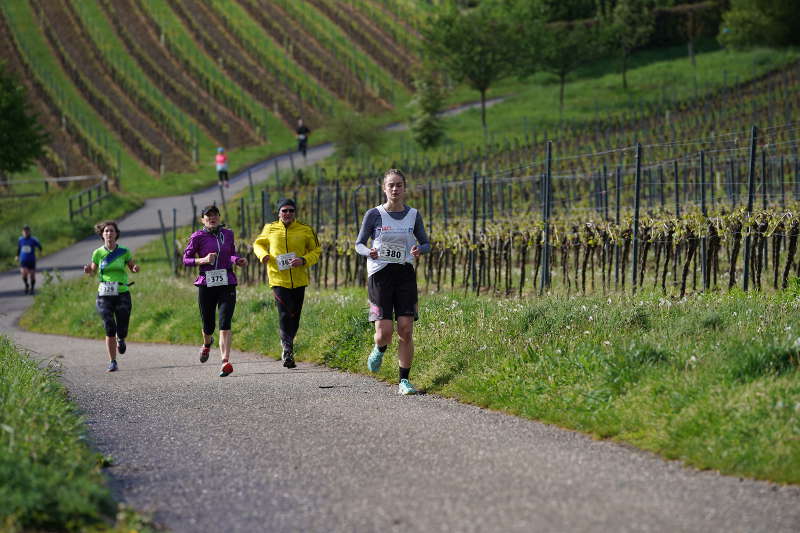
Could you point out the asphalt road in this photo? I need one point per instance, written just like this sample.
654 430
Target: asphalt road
311 449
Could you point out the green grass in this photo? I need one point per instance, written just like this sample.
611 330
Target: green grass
712 381
49 478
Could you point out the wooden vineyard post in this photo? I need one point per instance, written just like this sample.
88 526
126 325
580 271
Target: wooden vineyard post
636 201
677 190
474 229
605 191
546 219
617 250
336 238
429 213
444 202
750 198
703 240
764 183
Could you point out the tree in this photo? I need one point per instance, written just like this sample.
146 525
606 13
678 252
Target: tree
22 139
628 25
565 47
761 22
427 127
475 46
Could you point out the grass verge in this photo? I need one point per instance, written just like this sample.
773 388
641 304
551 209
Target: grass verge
49 478
710 380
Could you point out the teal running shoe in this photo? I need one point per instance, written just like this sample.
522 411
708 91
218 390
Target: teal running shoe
406 388
375 359
112 366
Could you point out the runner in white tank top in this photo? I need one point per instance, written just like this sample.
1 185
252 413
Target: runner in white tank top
398 237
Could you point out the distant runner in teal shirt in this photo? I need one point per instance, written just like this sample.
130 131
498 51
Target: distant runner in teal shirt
113 296
26 256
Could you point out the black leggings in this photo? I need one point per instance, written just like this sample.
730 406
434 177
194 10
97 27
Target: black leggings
209 298
290 304
116 313
222 175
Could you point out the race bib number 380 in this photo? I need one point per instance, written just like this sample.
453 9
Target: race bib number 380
215 278
392 253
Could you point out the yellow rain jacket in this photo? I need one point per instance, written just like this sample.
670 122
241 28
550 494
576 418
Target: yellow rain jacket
277 239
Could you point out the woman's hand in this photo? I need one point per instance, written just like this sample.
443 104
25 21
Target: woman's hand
210 258
87 269
241 261
373 253
415 251
297 261
265 259
135 268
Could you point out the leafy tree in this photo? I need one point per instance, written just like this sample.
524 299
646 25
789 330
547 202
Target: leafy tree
628 25
22 139
475 45
565 47
761 22
427 127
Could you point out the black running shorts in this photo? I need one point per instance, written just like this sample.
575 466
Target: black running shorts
211 299
392 292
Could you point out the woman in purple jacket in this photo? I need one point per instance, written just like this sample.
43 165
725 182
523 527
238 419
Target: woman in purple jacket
212 249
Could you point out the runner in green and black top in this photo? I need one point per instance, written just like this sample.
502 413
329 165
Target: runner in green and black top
113 296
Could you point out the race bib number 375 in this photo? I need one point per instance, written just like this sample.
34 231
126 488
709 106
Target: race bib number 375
392 253
215 278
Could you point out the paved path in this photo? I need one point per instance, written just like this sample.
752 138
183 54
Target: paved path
269 449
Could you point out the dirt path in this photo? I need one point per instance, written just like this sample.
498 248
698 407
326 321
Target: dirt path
268 449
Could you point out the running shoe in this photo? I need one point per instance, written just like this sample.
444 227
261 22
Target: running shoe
375 359
121 347
226 369
406 387
205 350
288 360
112 366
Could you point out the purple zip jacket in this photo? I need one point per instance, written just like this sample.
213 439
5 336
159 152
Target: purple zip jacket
203 242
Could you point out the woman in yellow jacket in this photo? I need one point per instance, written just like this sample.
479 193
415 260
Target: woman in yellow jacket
288 248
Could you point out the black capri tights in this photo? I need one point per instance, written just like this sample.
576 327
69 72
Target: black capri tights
116 313
211 298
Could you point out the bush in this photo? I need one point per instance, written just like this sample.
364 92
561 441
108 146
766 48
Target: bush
355 135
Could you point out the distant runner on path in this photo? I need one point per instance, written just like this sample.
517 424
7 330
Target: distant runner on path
302 136
213 250
398 237
288 248
221 161
113 296
26 257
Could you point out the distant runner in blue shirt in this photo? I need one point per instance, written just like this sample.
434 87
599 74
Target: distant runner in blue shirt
26 256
